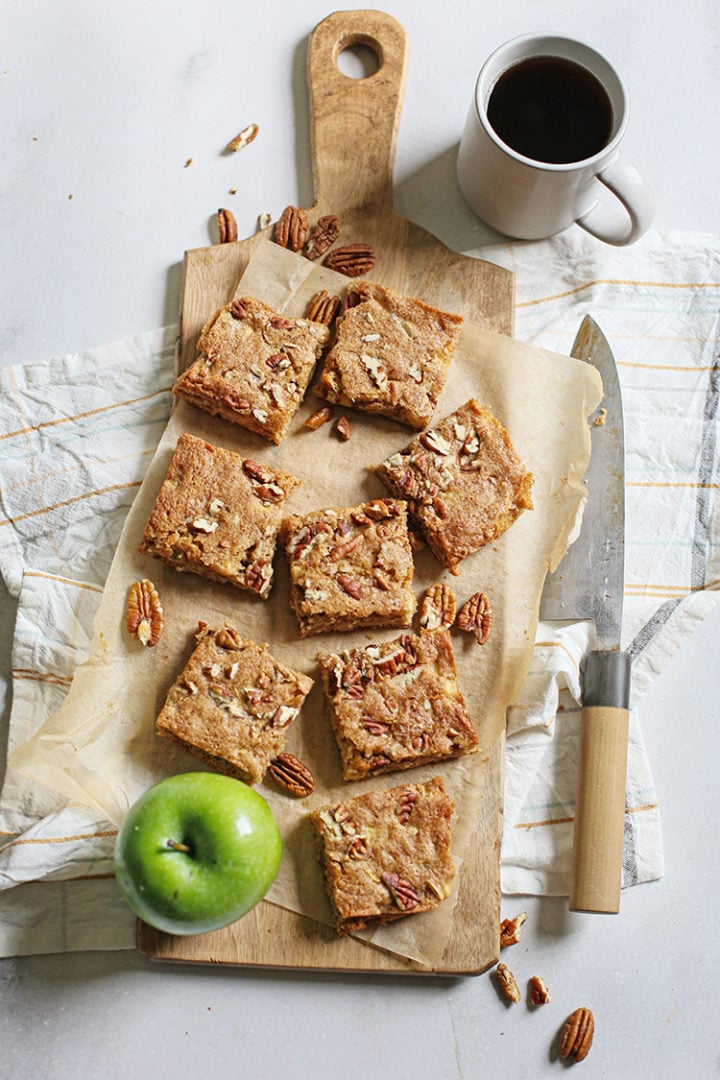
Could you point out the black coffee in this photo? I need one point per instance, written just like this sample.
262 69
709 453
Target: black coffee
551 109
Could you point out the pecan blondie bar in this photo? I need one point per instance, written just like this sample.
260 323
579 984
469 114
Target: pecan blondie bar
350 567
254 366
463 482
218 515
386 854
232 704
397 704
391 355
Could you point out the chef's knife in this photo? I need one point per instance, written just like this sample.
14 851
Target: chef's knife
589 584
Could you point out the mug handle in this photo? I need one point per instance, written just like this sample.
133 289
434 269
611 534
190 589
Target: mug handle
607 222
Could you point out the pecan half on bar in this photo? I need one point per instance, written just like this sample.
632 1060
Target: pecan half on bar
351 260
291 228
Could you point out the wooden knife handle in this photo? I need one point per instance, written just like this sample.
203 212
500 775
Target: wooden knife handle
354 122
602 772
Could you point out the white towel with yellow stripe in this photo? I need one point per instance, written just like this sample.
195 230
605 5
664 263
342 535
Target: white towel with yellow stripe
76 436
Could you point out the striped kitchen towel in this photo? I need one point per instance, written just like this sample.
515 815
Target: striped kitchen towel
77 434
658 304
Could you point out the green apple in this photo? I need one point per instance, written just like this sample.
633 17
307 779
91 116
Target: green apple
196 852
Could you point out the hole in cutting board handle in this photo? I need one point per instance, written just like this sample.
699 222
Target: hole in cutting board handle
358 56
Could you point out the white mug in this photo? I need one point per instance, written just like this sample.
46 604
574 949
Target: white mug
531 198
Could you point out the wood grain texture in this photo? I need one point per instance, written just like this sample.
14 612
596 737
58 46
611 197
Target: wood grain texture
354 126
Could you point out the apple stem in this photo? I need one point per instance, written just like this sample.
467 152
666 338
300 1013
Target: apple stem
176 845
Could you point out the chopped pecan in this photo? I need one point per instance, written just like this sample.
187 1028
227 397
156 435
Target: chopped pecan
291 228
244 138
438 608
264 220
431 440
356 294
380 509
318 418
144 613
577 1034
292 775
323 235
227 638
283 715
350 585
341 551
351 260
507 983
235 403
258 575
538 993
374 727
238 309
358 847
476 617
405 896
227 226
343 429
510 930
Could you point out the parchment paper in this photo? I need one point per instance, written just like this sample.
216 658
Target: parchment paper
100 749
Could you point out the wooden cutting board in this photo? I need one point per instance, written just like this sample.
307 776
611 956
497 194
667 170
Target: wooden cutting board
354 126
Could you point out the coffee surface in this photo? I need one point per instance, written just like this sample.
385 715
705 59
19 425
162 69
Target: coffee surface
551 109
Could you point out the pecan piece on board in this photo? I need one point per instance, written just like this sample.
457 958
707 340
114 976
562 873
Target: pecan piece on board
323 308
322 236
291 228
438 608
292 775
507 983
243 138
144 613
577 1034
476 617
343 429
227 226
318 418
351 260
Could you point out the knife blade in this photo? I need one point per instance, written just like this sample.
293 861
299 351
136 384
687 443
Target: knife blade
589 584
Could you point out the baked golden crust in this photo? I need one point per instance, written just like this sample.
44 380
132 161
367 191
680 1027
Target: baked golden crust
218 515
463 481
386 854
350 567
232 704
254 366
391 356
397 704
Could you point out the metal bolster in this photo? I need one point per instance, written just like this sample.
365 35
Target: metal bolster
606 680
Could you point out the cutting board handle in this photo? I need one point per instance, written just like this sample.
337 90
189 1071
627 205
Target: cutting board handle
354 122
